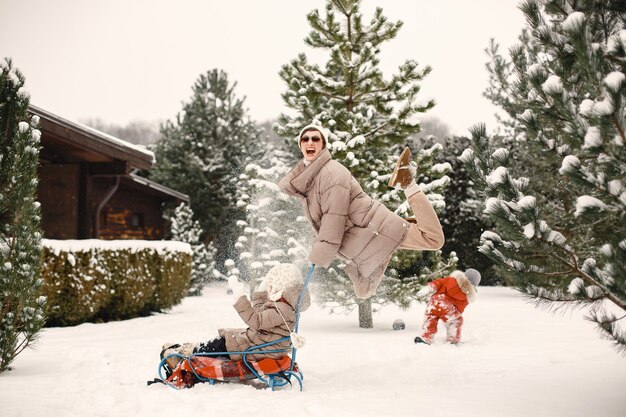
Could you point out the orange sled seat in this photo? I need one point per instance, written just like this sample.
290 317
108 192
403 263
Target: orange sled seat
203 368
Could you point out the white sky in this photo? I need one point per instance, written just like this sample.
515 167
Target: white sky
125 60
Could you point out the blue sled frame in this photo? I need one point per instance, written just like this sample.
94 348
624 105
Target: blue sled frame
273 380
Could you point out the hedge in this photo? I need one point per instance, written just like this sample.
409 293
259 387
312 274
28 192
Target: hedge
102 280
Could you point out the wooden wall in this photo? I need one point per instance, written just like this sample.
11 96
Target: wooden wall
129 214
69 202
59 194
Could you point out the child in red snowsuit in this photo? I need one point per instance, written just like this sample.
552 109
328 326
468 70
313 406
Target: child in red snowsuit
448 298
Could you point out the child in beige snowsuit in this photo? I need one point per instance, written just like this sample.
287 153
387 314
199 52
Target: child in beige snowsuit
270 315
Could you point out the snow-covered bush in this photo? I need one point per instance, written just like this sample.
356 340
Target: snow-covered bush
92 280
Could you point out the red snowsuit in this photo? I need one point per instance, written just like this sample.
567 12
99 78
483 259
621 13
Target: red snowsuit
451 295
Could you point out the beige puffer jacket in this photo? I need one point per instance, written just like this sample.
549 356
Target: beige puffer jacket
265 323
347 222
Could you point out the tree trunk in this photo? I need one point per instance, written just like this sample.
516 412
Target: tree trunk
365 314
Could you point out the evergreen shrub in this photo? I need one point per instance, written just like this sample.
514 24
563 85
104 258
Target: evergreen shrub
112 280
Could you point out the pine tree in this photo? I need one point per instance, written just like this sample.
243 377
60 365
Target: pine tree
22 310
369 116
461 219
204 150
561 221
185 229
274 230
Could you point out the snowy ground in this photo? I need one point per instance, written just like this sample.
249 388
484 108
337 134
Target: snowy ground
515 361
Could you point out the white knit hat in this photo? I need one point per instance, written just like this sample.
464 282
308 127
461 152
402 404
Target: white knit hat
325 132
279 278
473 276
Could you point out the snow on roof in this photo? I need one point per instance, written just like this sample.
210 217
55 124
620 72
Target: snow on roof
102 136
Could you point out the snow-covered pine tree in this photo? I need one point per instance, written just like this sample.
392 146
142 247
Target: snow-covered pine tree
204 150
370 117
462 219
561 222
274 230
185 229
22 310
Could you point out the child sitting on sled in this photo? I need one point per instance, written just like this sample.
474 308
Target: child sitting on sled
448 298
270 316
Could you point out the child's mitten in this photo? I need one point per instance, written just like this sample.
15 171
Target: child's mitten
237 287
297 341
425 292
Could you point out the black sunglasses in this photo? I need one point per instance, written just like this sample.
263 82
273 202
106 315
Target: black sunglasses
313 139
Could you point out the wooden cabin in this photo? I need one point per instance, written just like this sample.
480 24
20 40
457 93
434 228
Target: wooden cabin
88 186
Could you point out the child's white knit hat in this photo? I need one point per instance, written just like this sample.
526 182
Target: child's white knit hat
279 278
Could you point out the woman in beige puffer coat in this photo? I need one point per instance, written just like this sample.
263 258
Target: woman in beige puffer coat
348 223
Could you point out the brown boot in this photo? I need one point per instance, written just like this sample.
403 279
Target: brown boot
402 175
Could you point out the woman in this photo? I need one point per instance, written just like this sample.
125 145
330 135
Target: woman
348 223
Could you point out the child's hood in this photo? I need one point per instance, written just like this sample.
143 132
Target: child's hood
465 285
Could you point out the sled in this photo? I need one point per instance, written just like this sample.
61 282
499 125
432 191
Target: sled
266 373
